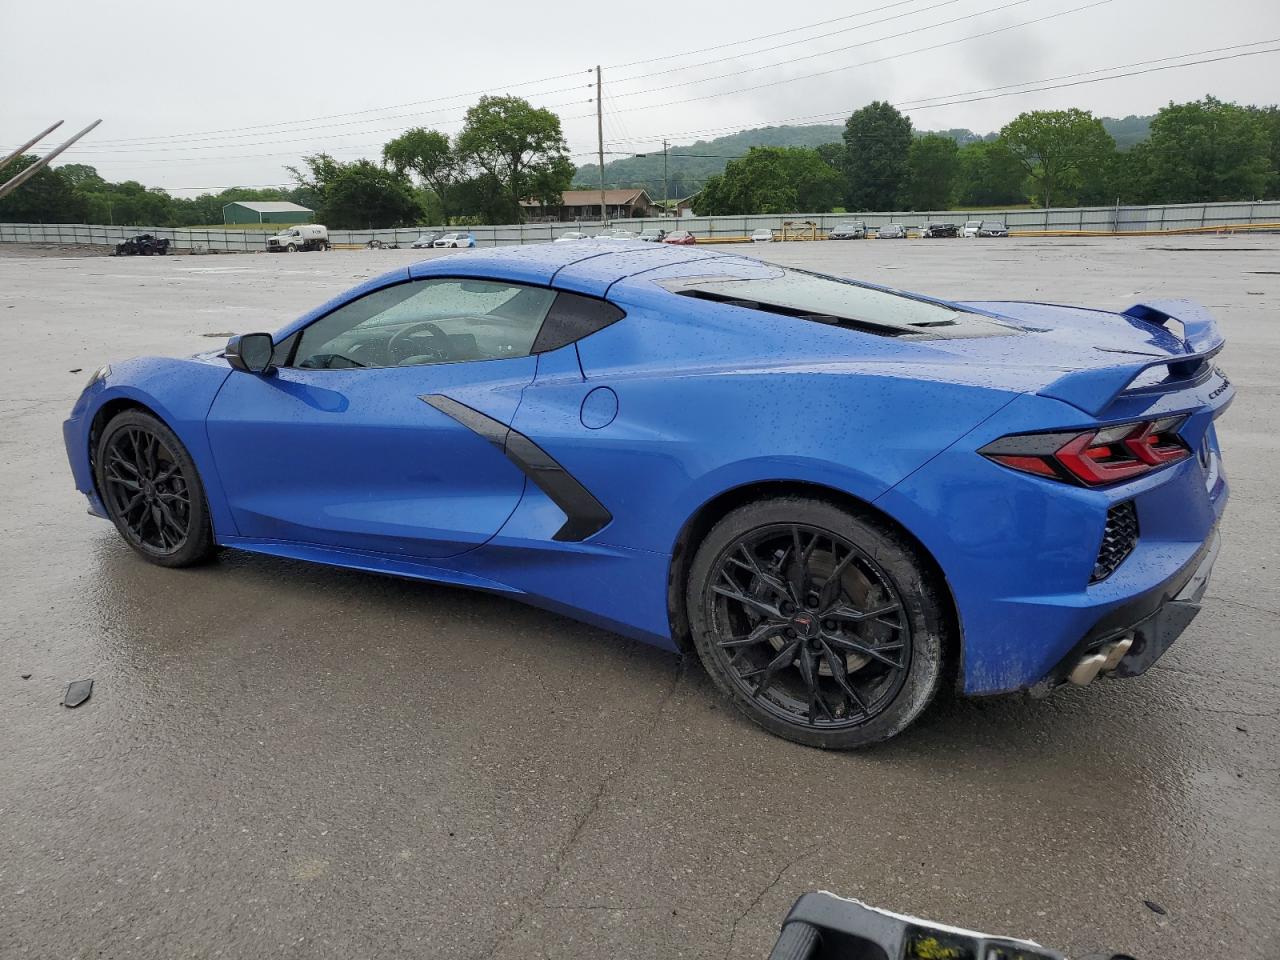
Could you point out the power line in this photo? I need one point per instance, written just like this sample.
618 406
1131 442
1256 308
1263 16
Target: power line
353 113
866 63
98 151
827 53
766 36
792 43
812 119
190 136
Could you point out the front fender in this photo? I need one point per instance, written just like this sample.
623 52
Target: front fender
179 392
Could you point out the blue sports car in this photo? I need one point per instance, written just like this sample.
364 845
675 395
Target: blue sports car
840 495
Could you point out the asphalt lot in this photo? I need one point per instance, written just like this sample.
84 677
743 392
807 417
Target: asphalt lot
287 760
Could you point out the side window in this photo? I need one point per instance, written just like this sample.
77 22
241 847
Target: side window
573 317
428 321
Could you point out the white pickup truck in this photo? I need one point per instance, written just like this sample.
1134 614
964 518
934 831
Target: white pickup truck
307 236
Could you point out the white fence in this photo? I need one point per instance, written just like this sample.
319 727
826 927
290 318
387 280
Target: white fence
1114 219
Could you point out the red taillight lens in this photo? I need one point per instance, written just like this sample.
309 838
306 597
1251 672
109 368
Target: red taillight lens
1096 457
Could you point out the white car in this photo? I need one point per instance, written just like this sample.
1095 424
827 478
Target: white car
618 234
971 228
763 235
572 235
456 240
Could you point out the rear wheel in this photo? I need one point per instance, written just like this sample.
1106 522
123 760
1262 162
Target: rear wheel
152 490
822 626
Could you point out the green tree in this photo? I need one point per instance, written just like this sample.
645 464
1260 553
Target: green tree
876 139
81 176
772 180
519 147
429 155
1270 119
358 195
46 198
1206 151
989 175
933 164
1059 149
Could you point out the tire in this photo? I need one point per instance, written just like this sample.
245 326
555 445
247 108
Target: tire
882 623
137 455
291 248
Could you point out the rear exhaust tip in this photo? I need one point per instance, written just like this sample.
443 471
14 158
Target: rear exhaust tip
1084 672
1117 652
1103 659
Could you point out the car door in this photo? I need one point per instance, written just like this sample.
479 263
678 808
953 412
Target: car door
338 447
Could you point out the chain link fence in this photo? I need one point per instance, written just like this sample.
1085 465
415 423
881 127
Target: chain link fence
1087 220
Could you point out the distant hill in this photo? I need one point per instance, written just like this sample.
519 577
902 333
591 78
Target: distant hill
690 165
1129 131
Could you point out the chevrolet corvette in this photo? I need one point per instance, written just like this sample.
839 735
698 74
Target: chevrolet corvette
837 495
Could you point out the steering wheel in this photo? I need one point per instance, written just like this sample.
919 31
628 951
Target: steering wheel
437 349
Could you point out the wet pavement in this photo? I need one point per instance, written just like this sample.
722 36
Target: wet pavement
287 760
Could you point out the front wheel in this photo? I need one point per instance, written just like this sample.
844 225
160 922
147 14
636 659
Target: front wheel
152 490
821 625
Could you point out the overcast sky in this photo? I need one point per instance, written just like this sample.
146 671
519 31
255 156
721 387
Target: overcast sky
211 95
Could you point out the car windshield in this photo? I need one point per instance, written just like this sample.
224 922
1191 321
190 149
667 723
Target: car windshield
847 227
841 302
993 225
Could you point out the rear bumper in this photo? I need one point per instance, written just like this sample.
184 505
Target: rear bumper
1154 620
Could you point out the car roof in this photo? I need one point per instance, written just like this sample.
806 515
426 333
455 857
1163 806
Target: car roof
590 266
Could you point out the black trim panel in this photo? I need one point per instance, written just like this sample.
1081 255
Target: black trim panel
585 514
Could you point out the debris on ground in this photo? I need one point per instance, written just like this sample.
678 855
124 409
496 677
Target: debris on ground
77 692
1156 908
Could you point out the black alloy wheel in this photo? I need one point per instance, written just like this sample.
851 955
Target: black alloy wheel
820 625
152 491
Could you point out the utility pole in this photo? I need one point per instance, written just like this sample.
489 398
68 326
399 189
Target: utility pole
666 199
604 215
13 184
29 144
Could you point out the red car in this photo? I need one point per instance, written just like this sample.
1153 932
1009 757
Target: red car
682 237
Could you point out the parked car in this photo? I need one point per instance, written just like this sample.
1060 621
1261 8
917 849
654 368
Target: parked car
680 237
850 230
572 235
993 228
305 236
940 230
971 228
378 244
456 240
426 240
892 231
617 233
1019 515
653 235
143 245
763 235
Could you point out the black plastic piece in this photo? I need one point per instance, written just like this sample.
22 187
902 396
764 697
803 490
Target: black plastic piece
585 515
573 316
797 941
1119 538
849 930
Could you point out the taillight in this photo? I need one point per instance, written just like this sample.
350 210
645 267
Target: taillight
1095 457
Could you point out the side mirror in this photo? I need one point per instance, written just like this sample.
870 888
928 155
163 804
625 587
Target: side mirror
251 352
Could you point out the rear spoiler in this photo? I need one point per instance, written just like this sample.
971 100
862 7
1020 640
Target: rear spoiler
1093 390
